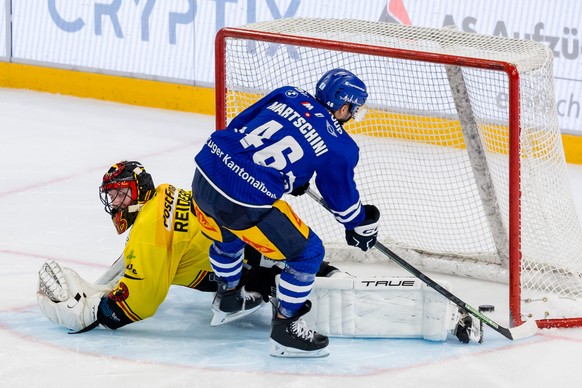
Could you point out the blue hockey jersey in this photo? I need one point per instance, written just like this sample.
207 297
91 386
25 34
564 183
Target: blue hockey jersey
278 144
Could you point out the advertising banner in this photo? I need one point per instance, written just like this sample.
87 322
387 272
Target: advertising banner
173 40
148 37
556 24
3 30
157 39
215 14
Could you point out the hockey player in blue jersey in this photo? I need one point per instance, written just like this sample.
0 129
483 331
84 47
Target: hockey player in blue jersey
275 147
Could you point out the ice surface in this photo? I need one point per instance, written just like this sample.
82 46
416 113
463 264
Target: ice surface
53 152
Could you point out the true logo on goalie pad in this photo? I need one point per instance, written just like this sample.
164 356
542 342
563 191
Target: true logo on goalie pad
384 283
385 307
388 283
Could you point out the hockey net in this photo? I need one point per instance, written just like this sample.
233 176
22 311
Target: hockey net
460 149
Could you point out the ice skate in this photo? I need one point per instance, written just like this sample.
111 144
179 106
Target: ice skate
230 305
291 337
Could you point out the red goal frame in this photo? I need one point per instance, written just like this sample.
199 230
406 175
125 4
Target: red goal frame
514 128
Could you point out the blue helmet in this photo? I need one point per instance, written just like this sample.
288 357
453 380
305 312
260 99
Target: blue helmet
339 86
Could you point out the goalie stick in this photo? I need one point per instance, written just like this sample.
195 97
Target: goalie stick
525 330
112 273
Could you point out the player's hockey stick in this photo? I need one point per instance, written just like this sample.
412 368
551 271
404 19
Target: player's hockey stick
525 330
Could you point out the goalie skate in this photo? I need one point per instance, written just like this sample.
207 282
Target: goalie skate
231 305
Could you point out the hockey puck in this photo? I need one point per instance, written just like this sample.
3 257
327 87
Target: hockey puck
486 308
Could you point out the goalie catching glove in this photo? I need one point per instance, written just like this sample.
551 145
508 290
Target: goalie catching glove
66 299
365 234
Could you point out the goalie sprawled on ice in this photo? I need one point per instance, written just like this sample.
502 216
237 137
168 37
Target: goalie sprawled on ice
341 305
156 257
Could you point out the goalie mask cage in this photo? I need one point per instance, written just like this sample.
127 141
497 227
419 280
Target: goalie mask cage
460 149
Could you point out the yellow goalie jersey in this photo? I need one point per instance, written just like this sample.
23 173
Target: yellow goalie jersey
165 246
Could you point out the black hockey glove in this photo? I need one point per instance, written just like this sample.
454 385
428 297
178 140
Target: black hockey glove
364 235
300 190
464 327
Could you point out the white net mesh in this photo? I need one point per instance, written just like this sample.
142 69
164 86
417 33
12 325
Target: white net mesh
415 163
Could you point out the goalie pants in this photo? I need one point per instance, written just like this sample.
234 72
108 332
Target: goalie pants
273 230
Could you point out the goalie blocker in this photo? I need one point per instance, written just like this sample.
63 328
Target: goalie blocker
386 307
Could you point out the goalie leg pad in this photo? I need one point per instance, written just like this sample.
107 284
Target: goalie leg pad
440 316
67 299
395 307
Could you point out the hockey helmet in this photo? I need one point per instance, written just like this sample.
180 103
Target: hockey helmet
338 86
125 188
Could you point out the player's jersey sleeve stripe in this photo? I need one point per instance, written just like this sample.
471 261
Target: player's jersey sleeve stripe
349 214
128 312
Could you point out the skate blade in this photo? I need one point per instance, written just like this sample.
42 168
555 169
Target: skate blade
278 350
220 317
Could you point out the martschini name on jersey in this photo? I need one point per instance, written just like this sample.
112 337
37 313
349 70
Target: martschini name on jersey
306 129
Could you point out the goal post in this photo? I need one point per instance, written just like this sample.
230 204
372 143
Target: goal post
460 149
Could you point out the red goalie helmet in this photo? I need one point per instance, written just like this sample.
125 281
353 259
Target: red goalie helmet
126 187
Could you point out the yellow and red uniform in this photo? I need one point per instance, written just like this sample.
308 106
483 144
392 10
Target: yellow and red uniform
165 246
